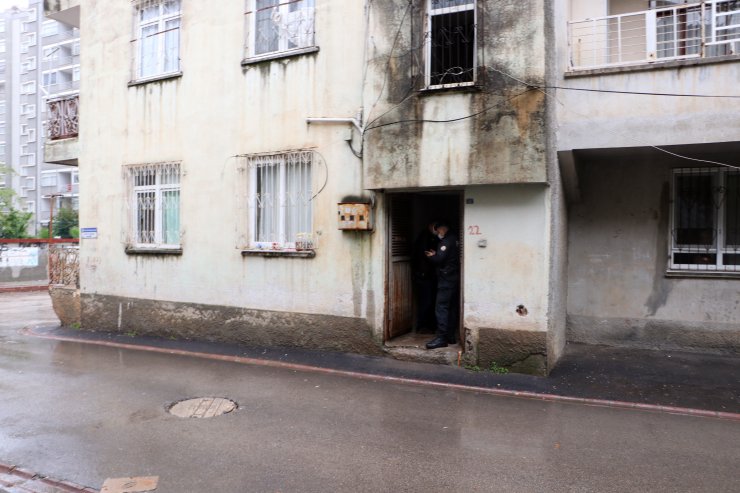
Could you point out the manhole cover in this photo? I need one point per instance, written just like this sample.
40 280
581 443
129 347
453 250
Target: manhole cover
202 407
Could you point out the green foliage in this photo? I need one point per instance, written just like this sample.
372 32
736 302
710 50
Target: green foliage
474 368
64 220
498 369
43 232
14 223
74 231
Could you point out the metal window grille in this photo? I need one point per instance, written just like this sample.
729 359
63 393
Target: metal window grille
697 30
156 44
155 199
451 43
280 199
705 234
275 26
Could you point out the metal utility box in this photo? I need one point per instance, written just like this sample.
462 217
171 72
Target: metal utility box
355 216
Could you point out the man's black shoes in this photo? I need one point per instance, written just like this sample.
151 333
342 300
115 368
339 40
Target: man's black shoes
437 342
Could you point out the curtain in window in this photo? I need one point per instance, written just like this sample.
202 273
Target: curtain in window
171 217
298 196
267 38
148 49
268 203
172 46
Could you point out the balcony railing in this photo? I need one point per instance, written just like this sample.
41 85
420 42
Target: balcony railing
63 118
698 30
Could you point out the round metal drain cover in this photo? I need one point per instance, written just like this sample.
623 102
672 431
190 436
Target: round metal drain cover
202 407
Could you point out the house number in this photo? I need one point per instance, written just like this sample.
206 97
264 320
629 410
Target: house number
474 231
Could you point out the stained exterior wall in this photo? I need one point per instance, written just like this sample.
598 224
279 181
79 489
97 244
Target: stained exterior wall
505 144
618 233
215 111
598 120
618 292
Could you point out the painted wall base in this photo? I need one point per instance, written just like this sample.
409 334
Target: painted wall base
227 324
674 335
520 351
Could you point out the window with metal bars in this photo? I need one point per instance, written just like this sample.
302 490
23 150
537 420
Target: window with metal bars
275 26
280 198
451 43
157 38
706 220
155 199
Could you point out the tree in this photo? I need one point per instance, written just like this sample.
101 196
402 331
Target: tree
64 220
14 223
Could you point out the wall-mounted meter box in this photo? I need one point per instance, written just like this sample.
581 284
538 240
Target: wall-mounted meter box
354 216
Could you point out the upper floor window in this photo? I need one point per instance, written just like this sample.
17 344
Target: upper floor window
705 235
49 28
157 38
614 35
276 26
280 199
154 204
451 43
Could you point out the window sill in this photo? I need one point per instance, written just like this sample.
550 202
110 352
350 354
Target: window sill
157 78
462 87
279 253
704 274
153 251
647 66
277 56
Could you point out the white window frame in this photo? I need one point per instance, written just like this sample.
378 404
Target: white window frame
159 22
30 159
30 39
31 135
280 202
29 63
26 85
28 109
29 183
49 179
48 76
30 206
299 28
76 48
718 249
75 179
154 236
46 32
432 12
76 73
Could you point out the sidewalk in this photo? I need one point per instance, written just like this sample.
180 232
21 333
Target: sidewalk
669 381
23 286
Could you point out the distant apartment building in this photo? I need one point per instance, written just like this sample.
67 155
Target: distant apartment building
39 73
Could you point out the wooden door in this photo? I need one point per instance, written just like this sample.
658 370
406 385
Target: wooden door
400 302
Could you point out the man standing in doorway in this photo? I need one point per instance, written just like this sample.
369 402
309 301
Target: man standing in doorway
446 259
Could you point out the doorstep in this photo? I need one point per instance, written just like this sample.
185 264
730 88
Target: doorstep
410 347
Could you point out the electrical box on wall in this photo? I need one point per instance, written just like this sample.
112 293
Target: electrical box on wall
355 216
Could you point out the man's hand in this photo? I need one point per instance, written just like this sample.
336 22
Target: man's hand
430 253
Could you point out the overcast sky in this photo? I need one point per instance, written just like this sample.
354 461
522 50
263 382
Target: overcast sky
4 4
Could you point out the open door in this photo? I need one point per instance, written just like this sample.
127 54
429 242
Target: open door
400 303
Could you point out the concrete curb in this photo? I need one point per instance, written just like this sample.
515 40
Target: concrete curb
401 380
26 475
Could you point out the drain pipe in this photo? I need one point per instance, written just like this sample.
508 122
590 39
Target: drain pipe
356 121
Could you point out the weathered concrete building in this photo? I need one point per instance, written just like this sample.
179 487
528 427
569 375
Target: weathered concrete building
653 180
217 155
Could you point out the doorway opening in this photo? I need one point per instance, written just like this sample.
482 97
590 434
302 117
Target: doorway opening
410 320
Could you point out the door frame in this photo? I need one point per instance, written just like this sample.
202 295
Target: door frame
460 192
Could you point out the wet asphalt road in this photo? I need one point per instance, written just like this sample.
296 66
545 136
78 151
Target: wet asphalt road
85 413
